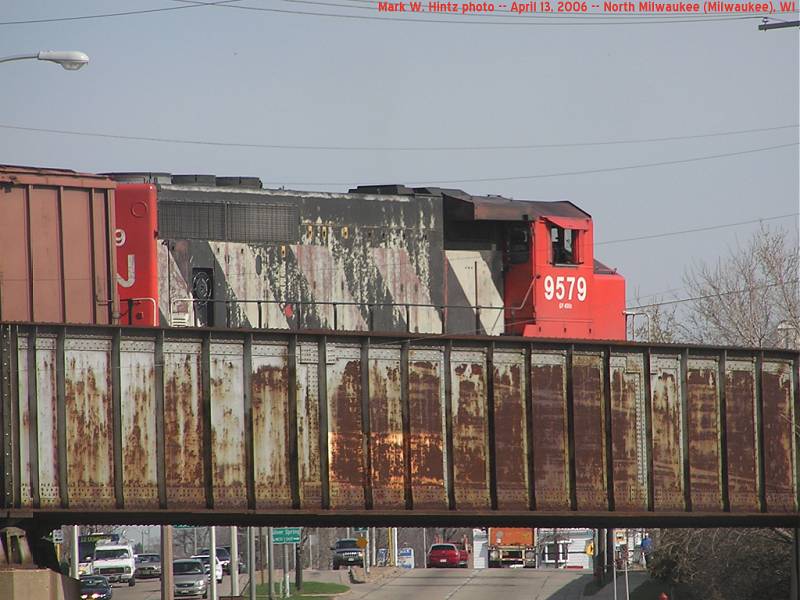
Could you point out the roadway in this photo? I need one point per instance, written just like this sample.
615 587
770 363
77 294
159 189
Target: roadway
150 589
480 584
444 584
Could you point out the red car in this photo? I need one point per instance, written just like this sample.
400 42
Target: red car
447 555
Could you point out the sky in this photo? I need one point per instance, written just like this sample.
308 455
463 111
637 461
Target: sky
227 74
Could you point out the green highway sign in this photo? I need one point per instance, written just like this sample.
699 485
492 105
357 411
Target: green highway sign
286 535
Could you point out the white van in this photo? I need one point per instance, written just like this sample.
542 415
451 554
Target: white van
115 562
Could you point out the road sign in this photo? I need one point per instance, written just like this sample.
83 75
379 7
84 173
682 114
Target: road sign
362 542
286 535
405 558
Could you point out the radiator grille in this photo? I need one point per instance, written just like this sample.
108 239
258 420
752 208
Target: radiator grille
228 222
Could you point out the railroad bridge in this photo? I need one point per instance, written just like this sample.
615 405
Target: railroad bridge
104 424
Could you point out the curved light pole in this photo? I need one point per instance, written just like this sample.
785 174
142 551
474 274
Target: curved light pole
71 60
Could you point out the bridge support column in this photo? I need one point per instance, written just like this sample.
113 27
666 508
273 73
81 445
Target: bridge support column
167 582
599 562
610 556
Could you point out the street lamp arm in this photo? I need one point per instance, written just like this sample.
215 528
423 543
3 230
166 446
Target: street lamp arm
18 57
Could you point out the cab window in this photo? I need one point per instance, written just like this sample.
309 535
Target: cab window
565 245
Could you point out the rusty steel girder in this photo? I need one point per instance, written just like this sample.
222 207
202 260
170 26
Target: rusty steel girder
213 426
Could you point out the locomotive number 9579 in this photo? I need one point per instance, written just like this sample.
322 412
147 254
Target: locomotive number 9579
565 288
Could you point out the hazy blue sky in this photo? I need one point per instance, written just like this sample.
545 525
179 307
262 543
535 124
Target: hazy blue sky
223 74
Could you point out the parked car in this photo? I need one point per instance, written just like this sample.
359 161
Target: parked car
347 553
189 577
95 587
147 566
447 555
223 554
206 560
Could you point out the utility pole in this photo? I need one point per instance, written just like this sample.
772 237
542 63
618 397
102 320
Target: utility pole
425 547
74 553
234 564
167 581
212 557
251 562
285 585
269 559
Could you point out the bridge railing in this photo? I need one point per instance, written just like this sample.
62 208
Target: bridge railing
109 424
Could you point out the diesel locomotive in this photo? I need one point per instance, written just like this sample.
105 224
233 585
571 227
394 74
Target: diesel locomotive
200 250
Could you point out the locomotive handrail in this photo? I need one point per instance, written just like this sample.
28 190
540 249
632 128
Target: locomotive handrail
442 309
132 301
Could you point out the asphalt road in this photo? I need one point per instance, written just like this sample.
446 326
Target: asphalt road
150 589
444 584
488 584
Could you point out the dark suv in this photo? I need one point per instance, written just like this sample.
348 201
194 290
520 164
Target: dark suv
347 553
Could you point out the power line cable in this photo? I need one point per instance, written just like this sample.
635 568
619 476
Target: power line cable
595 14
126 13
695 230
227 4
166 140
372 5
558 174
471 22
715 295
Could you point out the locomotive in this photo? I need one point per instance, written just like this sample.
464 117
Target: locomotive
200 250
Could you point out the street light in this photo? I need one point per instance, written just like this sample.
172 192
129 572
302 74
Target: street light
71 60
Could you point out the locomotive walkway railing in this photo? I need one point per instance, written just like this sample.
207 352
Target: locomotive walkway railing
294 312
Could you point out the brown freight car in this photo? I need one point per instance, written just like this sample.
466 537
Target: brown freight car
57 259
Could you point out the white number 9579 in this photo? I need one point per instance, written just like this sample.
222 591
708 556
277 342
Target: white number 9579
564 288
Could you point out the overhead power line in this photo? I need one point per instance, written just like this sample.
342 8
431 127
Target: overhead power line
126 13
342 148
716 295
695 230
513 21
548 175
372 5
516 19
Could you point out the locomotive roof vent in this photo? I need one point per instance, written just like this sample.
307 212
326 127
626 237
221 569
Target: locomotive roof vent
205 180
383 190
140 177
253 183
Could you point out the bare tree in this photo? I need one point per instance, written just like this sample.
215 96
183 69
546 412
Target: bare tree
749 297
720 564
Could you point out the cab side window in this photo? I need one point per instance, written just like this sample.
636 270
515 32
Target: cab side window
565 245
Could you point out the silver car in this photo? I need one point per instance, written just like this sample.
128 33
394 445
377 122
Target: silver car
147 565
190 578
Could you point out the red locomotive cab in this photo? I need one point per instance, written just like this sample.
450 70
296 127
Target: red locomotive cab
137 254
553 286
